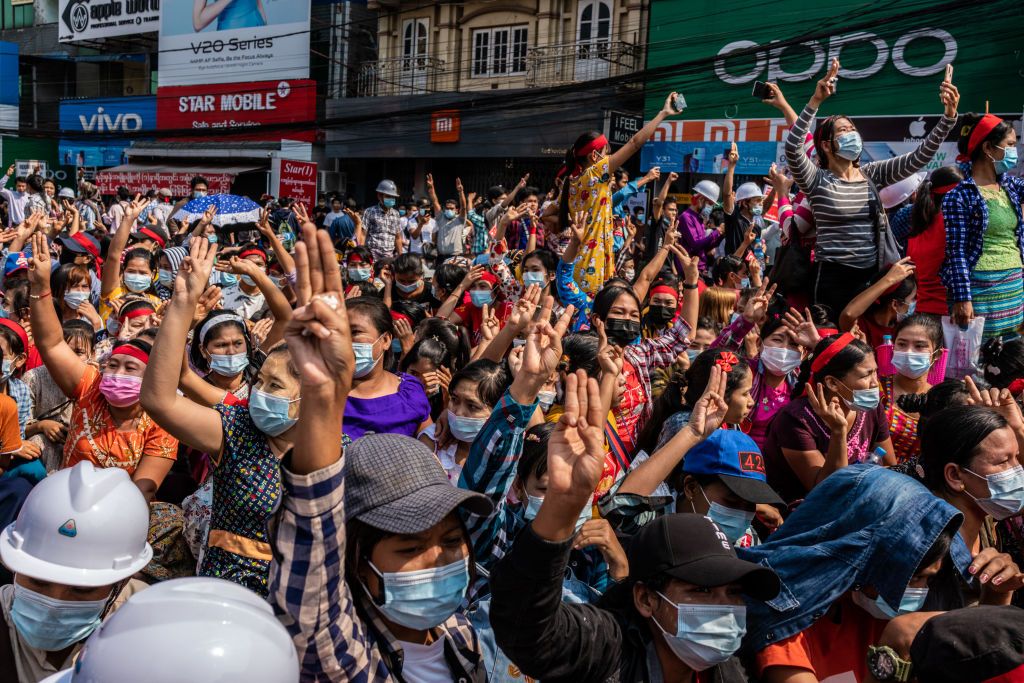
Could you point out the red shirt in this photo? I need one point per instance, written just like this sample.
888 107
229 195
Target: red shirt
928 250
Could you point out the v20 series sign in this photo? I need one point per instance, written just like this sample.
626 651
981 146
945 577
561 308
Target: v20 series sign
90 19
213 41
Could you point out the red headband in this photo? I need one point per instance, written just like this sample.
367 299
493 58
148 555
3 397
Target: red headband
831 351
943 189
254 252
827 332
16 329
153 236
981 130
598 143
86 243
1016 387
137 313
491 278
665 289
133 351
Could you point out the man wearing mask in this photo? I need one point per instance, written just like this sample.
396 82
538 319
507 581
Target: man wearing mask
382 224
200 188
78 540
742 216
693 236
450 223
16 199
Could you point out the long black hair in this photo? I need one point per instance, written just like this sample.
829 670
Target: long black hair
928 205
952 436
1003 361
825 133
850 356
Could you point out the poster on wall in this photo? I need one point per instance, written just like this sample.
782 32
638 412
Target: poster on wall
92 19
233 42
295 179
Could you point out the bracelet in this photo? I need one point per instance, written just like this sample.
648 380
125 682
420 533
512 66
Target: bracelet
686 286
37 297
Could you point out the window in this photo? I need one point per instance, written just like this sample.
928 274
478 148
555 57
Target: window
414 56
16 14
595 21
500 51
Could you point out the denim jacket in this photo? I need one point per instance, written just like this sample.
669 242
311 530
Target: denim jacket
863 525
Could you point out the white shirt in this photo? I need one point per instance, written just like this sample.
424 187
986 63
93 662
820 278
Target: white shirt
425 663
331 217
416 245
245 305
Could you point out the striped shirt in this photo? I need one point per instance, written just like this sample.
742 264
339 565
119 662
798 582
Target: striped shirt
842 210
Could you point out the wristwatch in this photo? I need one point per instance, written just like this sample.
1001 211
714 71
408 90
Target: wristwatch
885 665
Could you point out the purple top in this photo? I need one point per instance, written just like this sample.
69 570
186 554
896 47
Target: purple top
694 238
399 413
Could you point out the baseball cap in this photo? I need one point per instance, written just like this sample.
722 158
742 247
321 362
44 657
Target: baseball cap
15 262
734 458
984 644
394 483
693 549
82 243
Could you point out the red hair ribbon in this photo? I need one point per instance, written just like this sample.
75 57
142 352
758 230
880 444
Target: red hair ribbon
827 332
133 351
146 232
136 313
943 189
490 278
1016 387
830 352
254 252
981 130
400 316
727 360
16 329
665 289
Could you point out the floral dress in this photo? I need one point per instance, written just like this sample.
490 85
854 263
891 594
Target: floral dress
902 427
590 192
246 493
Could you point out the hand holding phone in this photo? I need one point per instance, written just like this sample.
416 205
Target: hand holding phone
761 91
949 73
679 103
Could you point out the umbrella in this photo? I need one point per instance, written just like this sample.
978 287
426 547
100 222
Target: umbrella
231 209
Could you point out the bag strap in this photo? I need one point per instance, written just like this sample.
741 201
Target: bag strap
8 667
878 218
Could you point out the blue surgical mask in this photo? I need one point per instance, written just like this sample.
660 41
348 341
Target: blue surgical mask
8 368
912 601
849 146
197 194
422 212
734 523
248 280
862 400
705 212
1008 162
166 278
401 212
426 598
358 274
745 283
365 362
1006 493
228 279
50 624
137 283
480 297
465 429
757 210
449 213
229 365
705 635
270 412
535 278
910 364
389 202
408 288
113 327
533 507
692 354
75 299
212 239
640 217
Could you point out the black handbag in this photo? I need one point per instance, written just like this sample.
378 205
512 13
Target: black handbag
793 269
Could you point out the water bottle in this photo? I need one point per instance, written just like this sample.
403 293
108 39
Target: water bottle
883 354
877 457
759 249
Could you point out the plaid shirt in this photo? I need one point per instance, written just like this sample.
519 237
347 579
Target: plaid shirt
651 354
478 244
965 214
382 228
339 635
22 395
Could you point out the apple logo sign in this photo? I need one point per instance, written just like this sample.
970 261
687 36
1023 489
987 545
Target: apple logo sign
917 128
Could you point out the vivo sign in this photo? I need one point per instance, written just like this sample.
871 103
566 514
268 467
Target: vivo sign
108 115
768 67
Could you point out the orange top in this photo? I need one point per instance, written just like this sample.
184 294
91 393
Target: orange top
10 433
835 645
92 435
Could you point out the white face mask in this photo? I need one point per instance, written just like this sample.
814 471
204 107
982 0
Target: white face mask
780 361
706 635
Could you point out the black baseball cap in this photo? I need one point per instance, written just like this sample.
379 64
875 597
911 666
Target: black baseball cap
693 549
982 644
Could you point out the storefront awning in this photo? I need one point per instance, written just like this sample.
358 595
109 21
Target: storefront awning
175 177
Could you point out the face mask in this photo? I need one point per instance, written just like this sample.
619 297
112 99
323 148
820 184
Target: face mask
113 326
449 213
862 400
248 281
436 294
546 398
640 217
621 332
423 599
465 429
120 390
365 362
166 278
229 279
480 297
422 212
50 624
228 365
629 274
910 364
401 212
780 361
692 354
757 210
660 314
409 288
196 194
734 523
75 299
358 274
389 202
270 413
535 278
533 507
705 212
706 635
137 283
1006 492
745 283
8 369
212 239
849 146
912 601
1008 161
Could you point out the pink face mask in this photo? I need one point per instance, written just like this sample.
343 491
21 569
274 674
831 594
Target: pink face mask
120 390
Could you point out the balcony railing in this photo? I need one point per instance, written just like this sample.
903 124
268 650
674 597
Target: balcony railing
412 76
581 61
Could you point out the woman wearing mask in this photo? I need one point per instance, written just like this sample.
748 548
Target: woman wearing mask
336 530
79 538
662 307
431 362
72 289
109 427
889 299
839 422
587 189
918 346
982 216
358 266
539 268
843 191
926 245
484 295
245 443
169 262
222 351
137 272
254 293
380 402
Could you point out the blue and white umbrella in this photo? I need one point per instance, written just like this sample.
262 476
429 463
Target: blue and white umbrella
231 209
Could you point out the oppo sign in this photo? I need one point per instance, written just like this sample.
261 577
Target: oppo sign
768 62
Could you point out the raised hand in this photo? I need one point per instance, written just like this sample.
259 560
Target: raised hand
489 325
578 225
39 266
779 180
208 301
545 340
598 533
900 271
429 179
576 447
831 411
1000 400
403 330
801 328
238 266
734 154
263 224
301 215
458 186
672 177
710 409
522 312
260 330
826 86
775 97
194 274
950 98
135 208
609 356
756 309
653 174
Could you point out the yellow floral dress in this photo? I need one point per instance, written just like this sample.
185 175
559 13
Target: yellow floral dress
590 191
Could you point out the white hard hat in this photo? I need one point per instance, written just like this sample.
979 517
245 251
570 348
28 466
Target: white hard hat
748 191
80 526
201 630
706 188
387 187
897 193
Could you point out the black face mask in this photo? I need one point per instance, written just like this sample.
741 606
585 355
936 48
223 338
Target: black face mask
621 332
660 314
